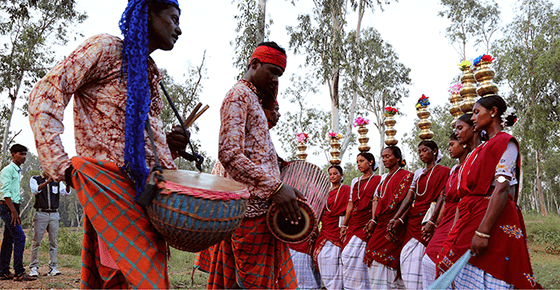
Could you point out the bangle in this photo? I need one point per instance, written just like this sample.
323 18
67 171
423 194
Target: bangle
278 188
431 222
343 226
401 221
374 221
485 236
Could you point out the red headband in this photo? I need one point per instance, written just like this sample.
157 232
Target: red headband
269 55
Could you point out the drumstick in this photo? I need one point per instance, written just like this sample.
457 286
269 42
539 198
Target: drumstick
192 115
197 115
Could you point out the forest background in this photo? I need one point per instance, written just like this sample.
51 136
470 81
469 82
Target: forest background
346 59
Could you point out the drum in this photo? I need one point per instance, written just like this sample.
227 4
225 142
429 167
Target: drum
312 182
285 231
194 211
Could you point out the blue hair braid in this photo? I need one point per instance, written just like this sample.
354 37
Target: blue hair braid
134 27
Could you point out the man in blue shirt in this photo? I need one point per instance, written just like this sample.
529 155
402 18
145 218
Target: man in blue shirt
10 197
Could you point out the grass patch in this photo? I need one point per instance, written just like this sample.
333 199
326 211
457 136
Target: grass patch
180 269
543 234
69 242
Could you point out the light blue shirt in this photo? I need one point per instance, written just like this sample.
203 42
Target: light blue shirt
10 179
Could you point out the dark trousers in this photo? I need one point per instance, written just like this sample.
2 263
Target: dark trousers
14 240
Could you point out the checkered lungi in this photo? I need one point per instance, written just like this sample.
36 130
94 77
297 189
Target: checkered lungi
252 258
472 277
204 259
329 261
112 215
306 275
353 267
383 277
428 271
411 264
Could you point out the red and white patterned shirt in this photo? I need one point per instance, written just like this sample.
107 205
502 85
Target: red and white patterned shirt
246 150
92 74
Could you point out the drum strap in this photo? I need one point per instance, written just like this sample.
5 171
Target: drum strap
156 175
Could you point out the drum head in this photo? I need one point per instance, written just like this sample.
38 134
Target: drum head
204 185
290 233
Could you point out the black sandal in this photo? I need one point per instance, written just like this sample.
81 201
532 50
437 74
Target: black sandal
24 277
6 276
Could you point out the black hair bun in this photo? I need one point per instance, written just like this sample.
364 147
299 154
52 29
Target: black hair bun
511 119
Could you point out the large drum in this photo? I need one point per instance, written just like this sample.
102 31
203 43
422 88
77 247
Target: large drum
196 210
310 180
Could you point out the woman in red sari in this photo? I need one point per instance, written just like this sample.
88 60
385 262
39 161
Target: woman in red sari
384 246
328 248
444 222
490 224
358 212
427 187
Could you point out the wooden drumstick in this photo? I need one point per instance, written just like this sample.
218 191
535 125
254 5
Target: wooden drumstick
192 115
197 115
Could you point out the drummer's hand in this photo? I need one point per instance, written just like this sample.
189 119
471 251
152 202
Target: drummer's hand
177 139
286 198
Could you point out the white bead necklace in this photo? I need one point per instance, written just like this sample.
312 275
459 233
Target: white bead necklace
427 182
383 191
360 180
327 204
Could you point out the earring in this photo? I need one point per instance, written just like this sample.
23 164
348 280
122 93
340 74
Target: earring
465 146
492 116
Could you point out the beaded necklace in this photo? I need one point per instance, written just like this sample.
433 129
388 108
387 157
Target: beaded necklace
327 204
359 181
383 191
427 182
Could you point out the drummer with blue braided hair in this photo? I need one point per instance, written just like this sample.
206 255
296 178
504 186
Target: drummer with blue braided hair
115 87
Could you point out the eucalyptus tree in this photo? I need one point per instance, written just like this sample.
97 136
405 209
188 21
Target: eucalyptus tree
379 78
306 119
471 21
321 36
32 29
528 65
251 30
185 96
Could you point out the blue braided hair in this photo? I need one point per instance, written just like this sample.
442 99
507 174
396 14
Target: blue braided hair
134 27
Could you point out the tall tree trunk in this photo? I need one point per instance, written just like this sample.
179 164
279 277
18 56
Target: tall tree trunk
262 11
355 95
7 129
539 184
335 105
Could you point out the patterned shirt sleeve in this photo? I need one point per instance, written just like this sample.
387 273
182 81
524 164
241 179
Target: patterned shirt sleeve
234 114
51 95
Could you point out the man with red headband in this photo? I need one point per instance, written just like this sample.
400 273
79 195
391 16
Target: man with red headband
253 257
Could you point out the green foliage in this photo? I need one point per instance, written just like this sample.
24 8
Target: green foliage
185 96
69 242
308 119
32 30
528 58
181 275
471 20
251 30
